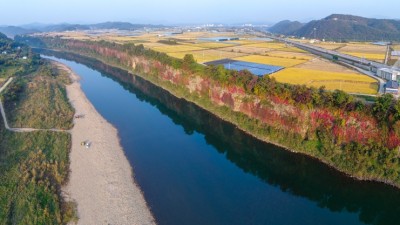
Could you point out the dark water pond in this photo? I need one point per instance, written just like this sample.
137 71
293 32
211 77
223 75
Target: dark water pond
196 169
255 68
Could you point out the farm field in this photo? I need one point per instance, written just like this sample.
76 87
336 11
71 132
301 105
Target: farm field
290 55
330 46
325 65
371 56
300 66
176 48
268 45
275 61
212 44
348 82
246 49
207 55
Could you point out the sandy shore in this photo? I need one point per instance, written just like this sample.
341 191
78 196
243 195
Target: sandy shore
101 180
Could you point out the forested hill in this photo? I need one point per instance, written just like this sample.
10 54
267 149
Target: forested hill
12 31
348 28
286 27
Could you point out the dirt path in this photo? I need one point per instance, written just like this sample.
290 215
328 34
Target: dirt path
3 114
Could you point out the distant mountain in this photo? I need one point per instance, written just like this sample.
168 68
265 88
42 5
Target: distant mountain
347 27
121 26
285 27
12 31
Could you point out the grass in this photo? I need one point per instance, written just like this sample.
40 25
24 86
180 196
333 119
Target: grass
352 83
284 62
34 166
52 111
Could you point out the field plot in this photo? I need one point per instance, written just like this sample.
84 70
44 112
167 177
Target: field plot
292 49
284 62
247 50
320 64
176 48
330 46
268 45
245 42
207 55
370 56
254 68
211 44
123 39
348 82
290 55
365 50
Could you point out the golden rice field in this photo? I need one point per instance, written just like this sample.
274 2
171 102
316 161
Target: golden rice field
176 48
211 44
371 56
284 62
364 48
290 55
292 49
330 46
270 45
247 50
206 55
245 42
348 82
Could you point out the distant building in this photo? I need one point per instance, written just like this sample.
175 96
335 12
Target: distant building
388 74
395 53
392 87
24 57
4 53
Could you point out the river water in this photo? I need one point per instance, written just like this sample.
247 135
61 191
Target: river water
195 169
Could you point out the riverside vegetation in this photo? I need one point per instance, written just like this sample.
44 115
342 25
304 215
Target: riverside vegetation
34 165
359 139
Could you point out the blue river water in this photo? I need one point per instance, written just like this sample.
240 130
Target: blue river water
196 169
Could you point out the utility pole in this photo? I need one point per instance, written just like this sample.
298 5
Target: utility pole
315 33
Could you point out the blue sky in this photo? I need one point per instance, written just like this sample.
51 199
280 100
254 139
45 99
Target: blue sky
17 12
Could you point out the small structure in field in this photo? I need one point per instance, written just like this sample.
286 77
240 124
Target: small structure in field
392 87
389 74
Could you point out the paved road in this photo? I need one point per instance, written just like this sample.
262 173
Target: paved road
3 114
331 52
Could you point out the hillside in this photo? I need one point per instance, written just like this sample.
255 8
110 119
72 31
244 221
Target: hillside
285 27
12 31
348 28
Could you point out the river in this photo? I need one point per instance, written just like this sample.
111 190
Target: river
195 169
